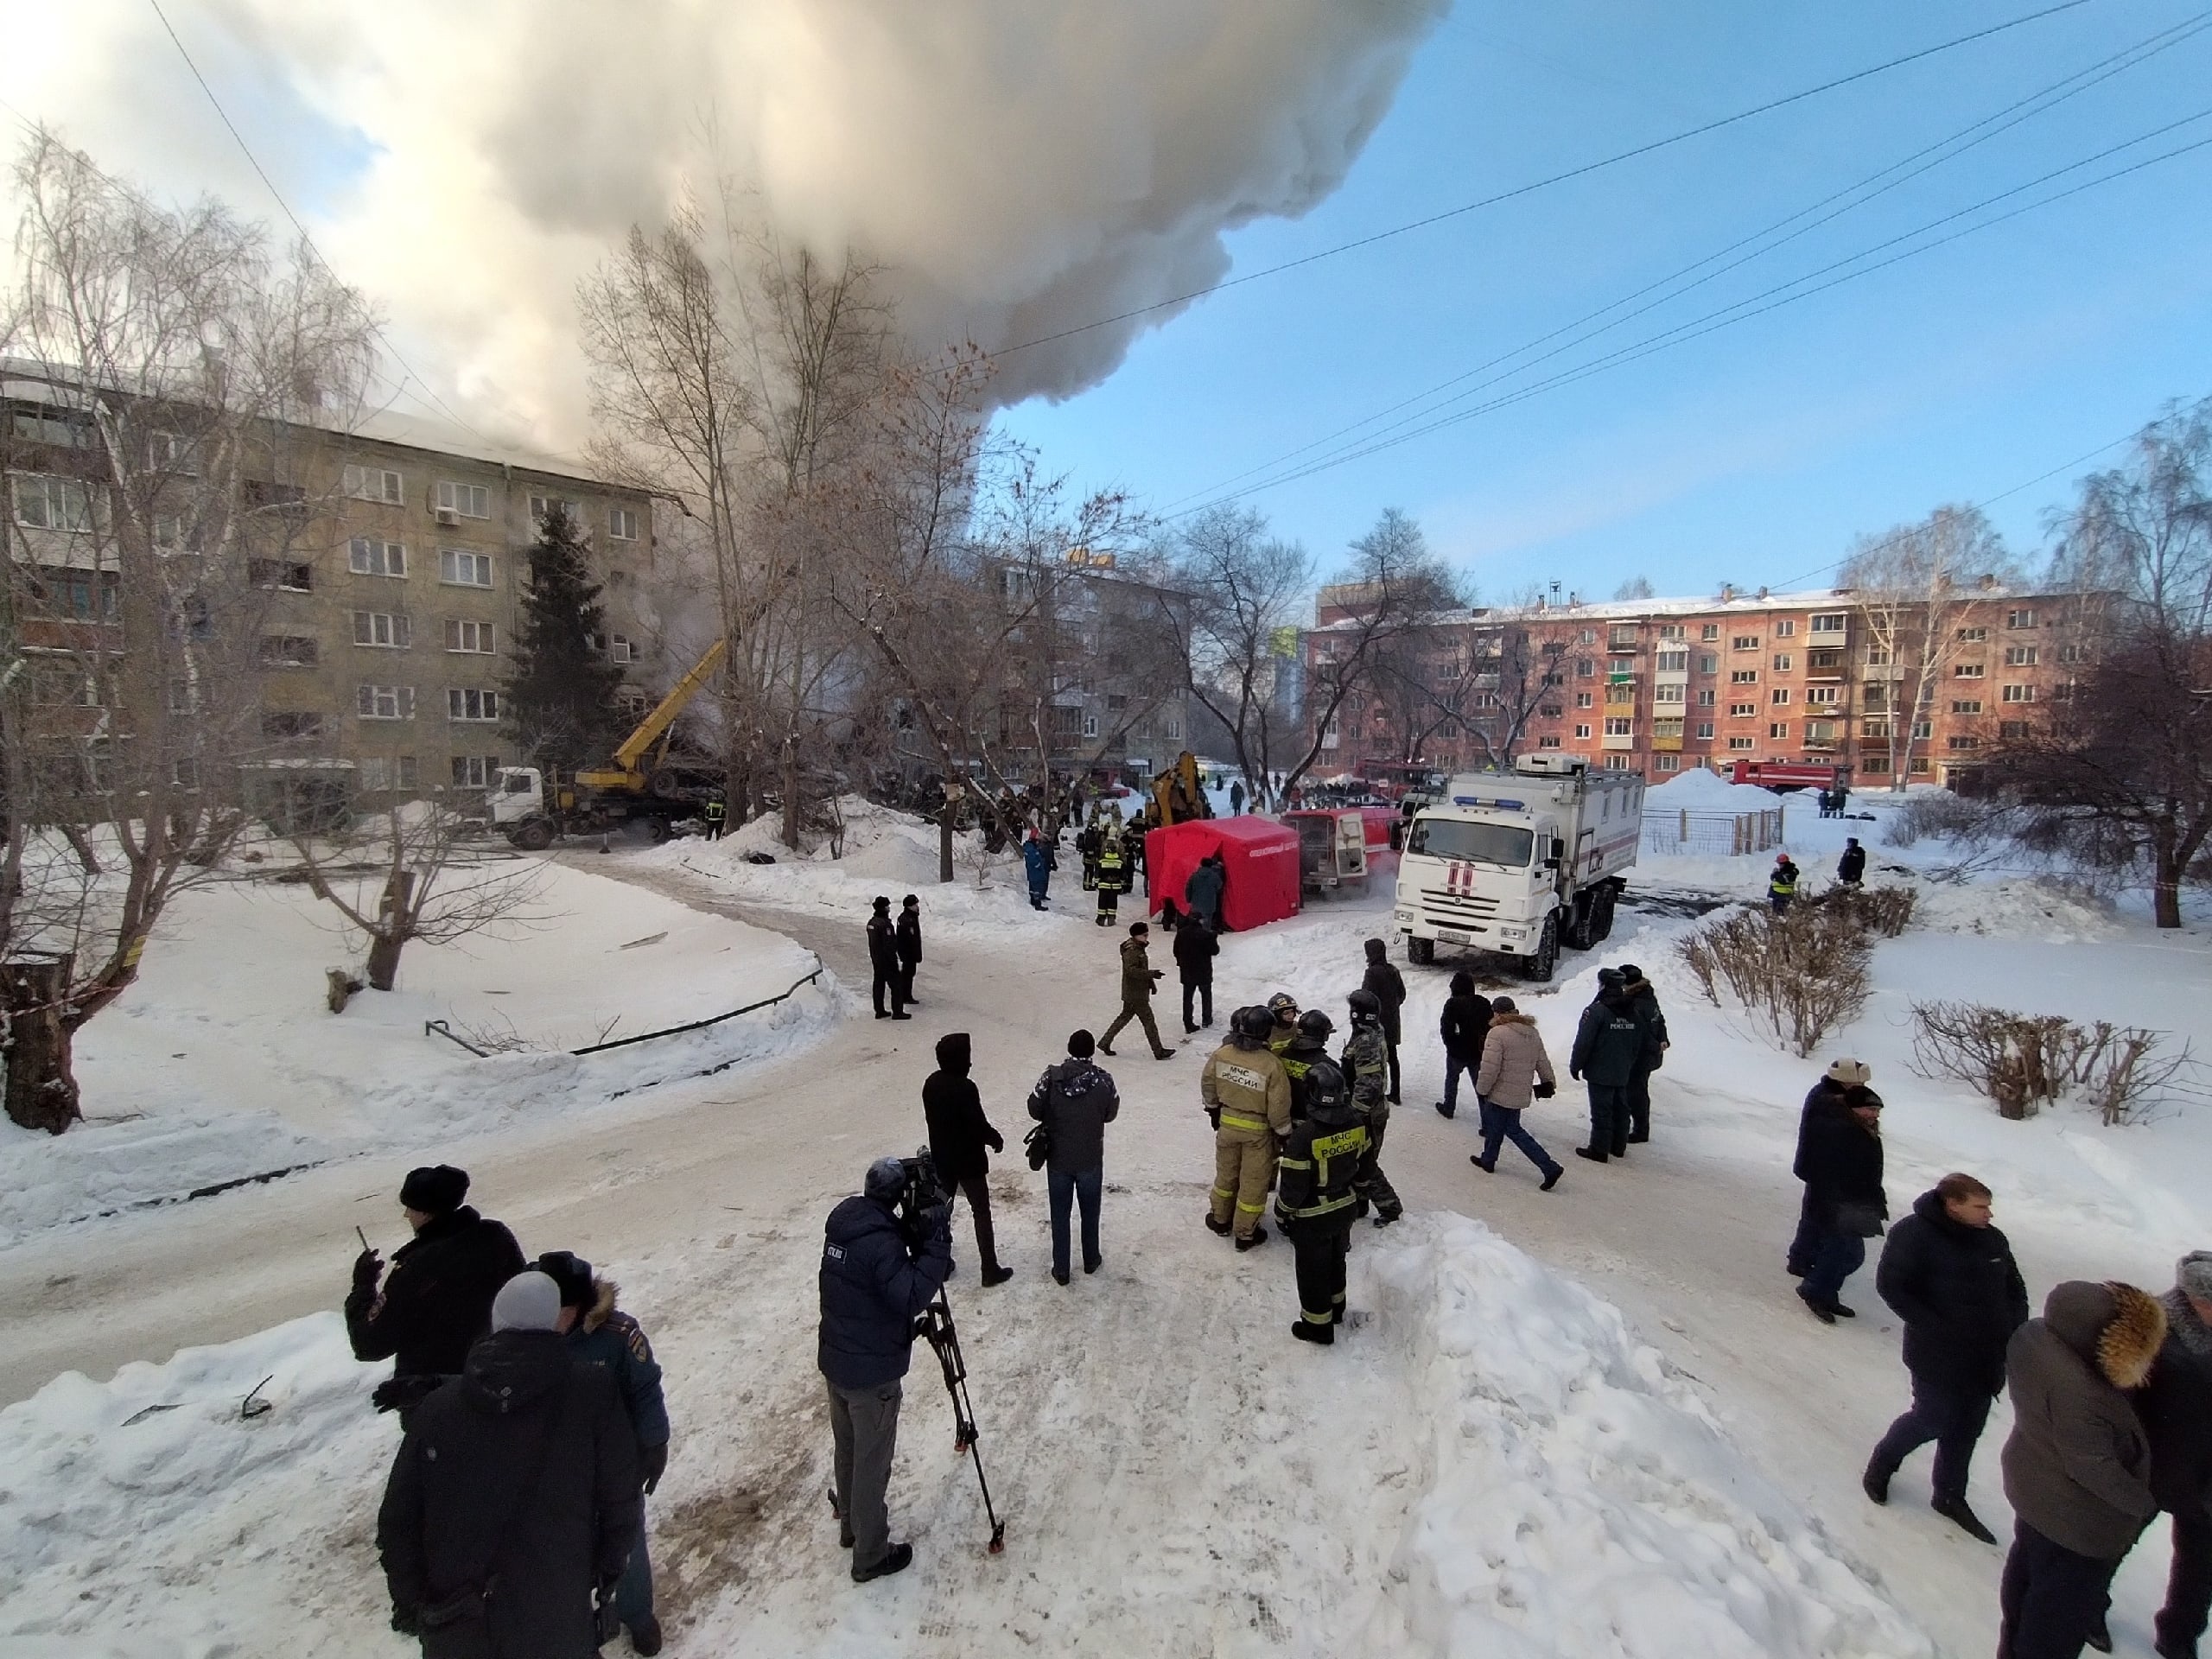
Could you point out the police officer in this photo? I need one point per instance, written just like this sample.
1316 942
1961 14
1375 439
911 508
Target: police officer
1366 1065
1315 1203
1247 1094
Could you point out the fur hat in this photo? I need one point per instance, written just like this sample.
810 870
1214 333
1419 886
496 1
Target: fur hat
1850 1073
2193 1275
436 1189
528 1302
571 1275
2115 1325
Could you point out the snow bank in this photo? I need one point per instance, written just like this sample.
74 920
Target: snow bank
1576 1498
2013 907
1702 791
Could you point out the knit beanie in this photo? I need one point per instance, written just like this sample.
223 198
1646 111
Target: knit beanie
1082 1044
2193 1275
436 1189
528 1302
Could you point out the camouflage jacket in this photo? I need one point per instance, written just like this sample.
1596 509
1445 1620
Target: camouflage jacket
1366 1066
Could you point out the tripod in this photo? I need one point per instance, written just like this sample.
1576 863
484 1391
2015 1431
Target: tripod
936 1326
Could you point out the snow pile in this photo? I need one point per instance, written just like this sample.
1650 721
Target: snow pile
2013 907
1578 1500
1702 791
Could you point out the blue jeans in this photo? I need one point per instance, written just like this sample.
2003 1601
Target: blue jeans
1502 1124
1839 1255
633 1594
1453 1065
1066 1190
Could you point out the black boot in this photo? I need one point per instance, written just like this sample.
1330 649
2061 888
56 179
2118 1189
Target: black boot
1954 1510
1592 1153
1305 1330
1875 1483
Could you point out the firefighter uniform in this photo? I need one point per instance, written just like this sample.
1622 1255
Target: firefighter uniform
1366 1067
1247 1093
1317 1201
1113 878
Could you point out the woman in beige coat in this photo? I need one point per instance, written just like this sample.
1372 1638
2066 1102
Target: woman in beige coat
1515 1070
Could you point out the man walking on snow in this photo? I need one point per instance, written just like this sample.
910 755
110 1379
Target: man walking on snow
1366 1067
1196 946
1515 1070
1463 1026
1606 1045
1075 1100
1950 1276
2175 1407
1644 1002
1138 976
883 962
960 1142
1247 1096
1840 1076
1842 1162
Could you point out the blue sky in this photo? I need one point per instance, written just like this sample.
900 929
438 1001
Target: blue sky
1755 453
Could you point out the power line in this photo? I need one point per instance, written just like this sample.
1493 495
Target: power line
1744 309
1865 190
1582 171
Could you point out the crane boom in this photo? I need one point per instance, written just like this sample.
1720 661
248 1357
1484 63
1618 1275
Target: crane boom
627 772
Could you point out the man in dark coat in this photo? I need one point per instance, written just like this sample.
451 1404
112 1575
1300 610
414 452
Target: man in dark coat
1644 1002
960 1142
1840 1076
1196 946
2077 1465
1606 1044
1851 869
602 1334
1950 1276
1463 1025
1842 1168
2175 1406
1075 1100
438 1299
910 945
513 1502
883 962
1390 988
1138 976
874 1284
1201 891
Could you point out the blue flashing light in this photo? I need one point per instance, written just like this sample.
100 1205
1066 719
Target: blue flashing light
1465 800
1476 800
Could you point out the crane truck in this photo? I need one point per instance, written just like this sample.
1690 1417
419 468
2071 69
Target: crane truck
645 784
1519 862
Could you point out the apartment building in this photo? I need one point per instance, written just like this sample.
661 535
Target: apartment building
383 570
1832 675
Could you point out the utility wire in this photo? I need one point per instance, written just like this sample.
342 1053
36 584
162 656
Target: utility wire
1865 190
1742 310
1582 171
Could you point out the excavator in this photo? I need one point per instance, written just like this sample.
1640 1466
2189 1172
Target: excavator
1176 796
642 784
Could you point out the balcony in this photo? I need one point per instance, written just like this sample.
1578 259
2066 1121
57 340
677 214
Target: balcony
1663 742
1625 740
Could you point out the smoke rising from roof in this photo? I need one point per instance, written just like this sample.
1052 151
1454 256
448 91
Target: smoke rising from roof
1020 166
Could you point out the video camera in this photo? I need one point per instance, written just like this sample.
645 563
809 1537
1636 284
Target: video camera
923 1191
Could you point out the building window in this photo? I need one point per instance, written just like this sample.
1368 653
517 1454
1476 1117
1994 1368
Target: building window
1582 731
1744 677
1784 662
1709 631
390 630
542 506
463 570
1960 745
1707 698
366 556
1780 697
1922 766
471 704
1548 742
1785 628
1673 691
621 524
384 702
1821 696
291 724
474 771
287 650
1708 664
1824 662
1673 631
1090 727
1585 668
2019 694
292 577
1616 727
2073 653
1967 671
1745 642
468 500
1828 622
59 503
473 637
1966 705
1742 710
1876 657
375 484
1819 731
382 771
1923 730
1622 637
1674 662
1973 636
2019 656
1705 729
2025 618
2012 731
1777 729
1585 699
1616 763
1587 637
1739 742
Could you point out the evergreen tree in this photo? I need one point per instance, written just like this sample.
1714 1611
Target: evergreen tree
560 695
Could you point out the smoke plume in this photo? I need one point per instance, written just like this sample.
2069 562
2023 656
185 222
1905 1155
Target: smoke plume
1021 167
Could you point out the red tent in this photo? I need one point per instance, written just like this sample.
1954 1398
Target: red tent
1259 854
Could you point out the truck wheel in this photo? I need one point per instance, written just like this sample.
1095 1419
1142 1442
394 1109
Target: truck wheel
1546 957
533 835
1601 920
1581 927
656 830
1420 952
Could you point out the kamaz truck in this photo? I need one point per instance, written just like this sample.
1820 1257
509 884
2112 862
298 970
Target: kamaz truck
1518 863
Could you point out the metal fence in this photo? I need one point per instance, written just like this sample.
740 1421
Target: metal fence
1719 833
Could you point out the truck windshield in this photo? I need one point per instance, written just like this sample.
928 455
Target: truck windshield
1504 845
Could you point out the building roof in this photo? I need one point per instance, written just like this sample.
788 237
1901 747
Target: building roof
1755 602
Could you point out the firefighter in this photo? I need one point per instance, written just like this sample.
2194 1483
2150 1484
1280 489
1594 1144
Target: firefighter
1247 1094
1304 1052
1316 1202
1366 1066
1282 1014
1782 886
1113 874
715 812
1086 844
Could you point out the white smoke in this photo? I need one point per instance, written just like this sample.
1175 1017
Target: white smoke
1022 166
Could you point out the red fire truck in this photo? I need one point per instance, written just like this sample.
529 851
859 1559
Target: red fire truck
1785 775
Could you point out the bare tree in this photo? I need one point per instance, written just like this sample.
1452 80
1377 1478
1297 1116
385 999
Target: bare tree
168 374
1912 587
1634 588
413 872
1237 638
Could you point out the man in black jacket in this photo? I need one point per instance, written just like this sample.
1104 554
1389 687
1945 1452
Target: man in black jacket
1950 1276
1463 1025
514 1500
2176 1409
1075 1100
1196 946
1606 1044
883 962
874 1284
1643 1001
1390 988
1840 1076
1842 1166
910 945
438 1299
1851 869
959 1134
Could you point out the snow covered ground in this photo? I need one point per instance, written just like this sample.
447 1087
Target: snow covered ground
1592 1422
224 1063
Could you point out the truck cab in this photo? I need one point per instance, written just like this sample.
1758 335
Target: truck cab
1518 863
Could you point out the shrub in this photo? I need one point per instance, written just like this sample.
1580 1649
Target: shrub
1800 975
2022 1060
1885 911
1938 813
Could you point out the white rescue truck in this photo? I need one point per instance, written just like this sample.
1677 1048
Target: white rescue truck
1519 862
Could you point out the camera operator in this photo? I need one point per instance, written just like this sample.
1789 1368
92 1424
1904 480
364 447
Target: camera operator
880 1268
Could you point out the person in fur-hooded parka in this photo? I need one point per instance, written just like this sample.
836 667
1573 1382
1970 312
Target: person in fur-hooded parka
2077 1466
